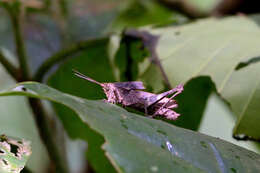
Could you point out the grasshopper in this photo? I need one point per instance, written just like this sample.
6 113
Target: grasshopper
130 94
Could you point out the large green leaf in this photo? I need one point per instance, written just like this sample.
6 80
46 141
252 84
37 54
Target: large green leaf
214 48
138 13
197 8
64 80
139 144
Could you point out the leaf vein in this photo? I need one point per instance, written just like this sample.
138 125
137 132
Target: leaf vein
211 57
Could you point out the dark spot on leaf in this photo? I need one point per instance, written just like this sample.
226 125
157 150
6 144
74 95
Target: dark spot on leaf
100 108
162 146
177 32
1 151
233 170
4 161
19 142
175 162
14 149
162 132
184 167
24 89
230 150
123 124
237 157
203 144
250 156
3 138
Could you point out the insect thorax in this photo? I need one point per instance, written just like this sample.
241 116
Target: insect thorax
113 93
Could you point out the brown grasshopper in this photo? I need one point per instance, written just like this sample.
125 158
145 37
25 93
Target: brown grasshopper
130 94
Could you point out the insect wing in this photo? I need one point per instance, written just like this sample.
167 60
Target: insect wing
132 85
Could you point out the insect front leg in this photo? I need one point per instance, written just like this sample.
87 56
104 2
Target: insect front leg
110 91
111 99
105 100
145 104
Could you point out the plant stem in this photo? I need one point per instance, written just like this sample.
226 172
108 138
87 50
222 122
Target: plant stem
61 55
63 8
14 12
128 72
10 68
46 134
41 119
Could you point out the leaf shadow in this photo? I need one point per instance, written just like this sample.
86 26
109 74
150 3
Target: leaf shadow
77 129
192 102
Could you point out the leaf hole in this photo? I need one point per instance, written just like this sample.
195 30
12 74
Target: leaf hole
20 88
14 149
5 161
2 152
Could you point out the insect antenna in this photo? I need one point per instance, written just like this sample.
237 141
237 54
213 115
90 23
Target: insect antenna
82 76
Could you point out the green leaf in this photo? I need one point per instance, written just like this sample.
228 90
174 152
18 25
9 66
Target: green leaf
138 13
203 6
197 91
135 143
129 55
64 80
14 154
215 48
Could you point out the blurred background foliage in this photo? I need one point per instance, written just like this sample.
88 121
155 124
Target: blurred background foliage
52 25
